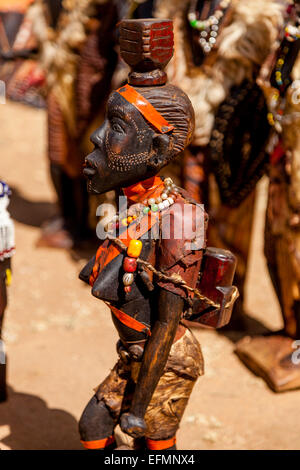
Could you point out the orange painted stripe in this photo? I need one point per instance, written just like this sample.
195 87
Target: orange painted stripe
129 321
160 445
100 444
145 108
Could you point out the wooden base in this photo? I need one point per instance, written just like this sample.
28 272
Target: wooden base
270 357
3 392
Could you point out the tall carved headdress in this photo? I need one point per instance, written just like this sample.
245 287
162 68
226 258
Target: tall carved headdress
147 46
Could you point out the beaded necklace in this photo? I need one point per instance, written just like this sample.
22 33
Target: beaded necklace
163 201
281 78
209 28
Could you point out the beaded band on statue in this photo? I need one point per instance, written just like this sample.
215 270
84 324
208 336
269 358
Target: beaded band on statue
166 199
209 28
281 77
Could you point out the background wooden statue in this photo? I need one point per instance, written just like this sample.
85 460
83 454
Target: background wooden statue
220 46
275 357
74 44
7 247
23 77
144 272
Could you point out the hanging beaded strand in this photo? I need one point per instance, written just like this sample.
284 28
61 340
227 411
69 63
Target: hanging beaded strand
210 27
130 263
165 200
282 74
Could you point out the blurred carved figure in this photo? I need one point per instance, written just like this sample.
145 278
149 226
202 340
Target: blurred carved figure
7 248
23 77
74 42
275 357
77 55
220 46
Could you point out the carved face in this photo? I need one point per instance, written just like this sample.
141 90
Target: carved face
127 149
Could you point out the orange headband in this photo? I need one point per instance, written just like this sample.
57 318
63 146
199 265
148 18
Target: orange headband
145 108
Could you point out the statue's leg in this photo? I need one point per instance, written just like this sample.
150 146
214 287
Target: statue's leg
225 222
3 303
275 356
280 268
231 228
66 160
165 411
96 426
73 201
3 300
101 415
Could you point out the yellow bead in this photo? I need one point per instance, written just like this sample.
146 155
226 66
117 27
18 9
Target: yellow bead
129 219
124 222
271 119
8 277
134 248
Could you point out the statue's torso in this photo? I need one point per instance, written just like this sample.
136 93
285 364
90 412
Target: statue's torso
170 255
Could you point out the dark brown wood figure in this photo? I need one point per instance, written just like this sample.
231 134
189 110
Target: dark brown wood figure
148 267
6 251
275 357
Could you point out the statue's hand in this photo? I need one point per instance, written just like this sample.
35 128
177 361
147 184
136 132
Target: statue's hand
132 425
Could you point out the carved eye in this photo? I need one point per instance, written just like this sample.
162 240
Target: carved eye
116 127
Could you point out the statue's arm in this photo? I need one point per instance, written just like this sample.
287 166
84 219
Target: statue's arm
170 307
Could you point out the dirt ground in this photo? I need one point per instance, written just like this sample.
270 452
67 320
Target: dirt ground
61 342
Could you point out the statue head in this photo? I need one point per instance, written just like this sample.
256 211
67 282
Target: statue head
148 122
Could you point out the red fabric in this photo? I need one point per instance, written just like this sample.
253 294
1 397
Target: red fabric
277 154
182 244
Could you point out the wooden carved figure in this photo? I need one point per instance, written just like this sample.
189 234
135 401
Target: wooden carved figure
153 268
7 247
275 357
220 46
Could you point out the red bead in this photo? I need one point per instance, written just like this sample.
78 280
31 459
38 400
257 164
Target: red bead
129 265
127 289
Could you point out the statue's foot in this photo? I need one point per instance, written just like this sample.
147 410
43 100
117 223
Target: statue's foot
60 239
274 358
54 235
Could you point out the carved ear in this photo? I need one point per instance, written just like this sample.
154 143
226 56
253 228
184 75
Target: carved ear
162 144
